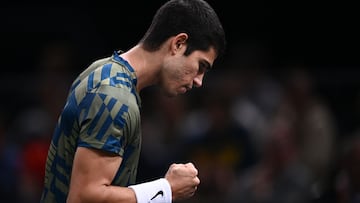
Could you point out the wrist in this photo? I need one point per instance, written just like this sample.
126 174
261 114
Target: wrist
157 191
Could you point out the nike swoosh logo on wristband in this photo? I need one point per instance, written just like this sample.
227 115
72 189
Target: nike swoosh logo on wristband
157 194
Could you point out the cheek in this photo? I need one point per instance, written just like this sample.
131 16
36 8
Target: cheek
190 74
185 76
178 71
181 73
189 70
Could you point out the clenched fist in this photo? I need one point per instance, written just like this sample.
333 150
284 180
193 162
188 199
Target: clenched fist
183 180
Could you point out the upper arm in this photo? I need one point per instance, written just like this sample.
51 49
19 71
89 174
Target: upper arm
93 170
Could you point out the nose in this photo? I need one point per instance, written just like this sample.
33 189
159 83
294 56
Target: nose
198 80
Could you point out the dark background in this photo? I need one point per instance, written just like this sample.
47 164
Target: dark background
322 36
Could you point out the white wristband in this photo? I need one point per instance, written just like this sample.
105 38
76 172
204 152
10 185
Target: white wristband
157 191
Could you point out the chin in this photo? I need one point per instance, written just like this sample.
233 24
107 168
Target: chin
172 94
169 93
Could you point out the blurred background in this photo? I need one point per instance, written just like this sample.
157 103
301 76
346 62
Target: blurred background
276 121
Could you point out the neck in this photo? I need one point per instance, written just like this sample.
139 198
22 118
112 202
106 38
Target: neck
146 65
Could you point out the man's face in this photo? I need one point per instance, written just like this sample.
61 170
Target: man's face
180 73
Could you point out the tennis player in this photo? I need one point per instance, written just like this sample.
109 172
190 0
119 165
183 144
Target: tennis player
94 153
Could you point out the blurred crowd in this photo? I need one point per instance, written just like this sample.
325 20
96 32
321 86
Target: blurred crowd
256 134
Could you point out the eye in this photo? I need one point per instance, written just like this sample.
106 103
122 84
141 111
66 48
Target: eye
203 67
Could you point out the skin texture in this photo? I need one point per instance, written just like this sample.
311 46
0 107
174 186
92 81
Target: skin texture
180 73
175 73
169 67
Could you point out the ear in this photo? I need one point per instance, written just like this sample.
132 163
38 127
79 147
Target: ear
179 43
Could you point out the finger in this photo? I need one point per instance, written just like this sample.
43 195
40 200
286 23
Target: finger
192 168
190 164
193 191
197 181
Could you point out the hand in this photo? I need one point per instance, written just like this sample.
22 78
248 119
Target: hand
183 180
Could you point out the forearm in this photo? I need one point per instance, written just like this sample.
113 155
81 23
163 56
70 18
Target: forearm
154 191
104 194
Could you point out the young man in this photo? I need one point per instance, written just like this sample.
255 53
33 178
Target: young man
94 153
